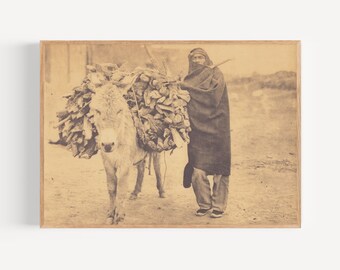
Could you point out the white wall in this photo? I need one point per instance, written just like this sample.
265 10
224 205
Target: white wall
24 246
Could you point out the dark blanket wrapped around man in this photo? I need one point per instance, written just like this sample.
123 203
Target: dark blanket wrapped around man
209 147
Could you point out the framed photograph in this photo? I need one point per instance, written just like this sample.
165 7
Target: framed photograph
185 134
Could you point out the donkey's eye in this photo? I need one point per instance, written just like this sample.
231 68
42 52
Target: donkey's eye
97 111
119 111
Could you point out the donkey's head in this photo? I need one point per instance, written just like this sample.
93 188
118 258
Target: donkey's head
110 110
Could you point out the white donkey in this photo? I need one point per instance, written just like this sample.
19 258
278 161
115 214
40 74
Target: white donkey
120 150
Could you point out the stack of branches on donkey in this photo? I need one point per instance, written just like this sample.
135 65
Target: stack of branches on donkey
125 115
154 98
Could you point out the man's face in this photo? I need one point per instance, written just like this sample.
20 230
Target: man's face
198 58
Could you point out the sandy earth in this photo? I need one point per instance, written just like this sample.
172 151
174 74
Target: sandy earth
263 187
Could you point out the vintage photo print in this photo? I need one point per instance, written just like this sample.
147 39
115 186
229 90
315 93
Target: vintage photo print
170 134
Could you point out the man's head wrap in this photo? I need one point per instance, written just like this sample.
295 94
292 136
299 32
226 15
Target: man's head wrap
192 65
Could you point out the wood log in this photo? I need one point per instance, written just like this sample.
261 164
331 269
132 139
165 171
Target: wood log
165 108
155 94
161 100
158 116
178 140
62 114
63 121
178 119
164 91
168 101
179 103
186 98
74 149
144 78
87 129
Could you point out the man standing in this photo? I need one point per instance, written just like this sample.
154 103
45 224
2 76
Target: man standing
209 148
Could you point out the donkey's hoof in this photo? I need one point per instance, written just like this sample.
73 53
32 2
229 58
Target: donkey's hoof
109 221
133 196
114 216
119 217
162 195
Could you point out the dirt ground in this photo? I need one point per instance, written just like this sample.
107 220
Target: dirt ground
263 188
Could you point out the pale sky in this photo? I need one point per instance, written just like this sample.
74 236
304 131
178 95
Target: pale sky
66 63
263 58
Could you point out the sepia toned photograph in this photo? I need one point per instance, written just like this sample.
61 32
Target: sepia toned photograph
184 134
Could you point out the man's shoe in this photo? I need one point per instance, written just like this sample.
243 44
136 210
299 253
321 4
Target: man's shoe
202 212
216 214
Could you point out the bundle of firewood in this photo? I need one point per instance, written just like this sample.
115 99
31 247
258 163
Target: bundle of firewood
158 106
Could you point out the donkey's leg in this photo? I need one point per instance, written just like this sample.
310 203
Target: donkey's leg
157 166
111 178
122 194
139 181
